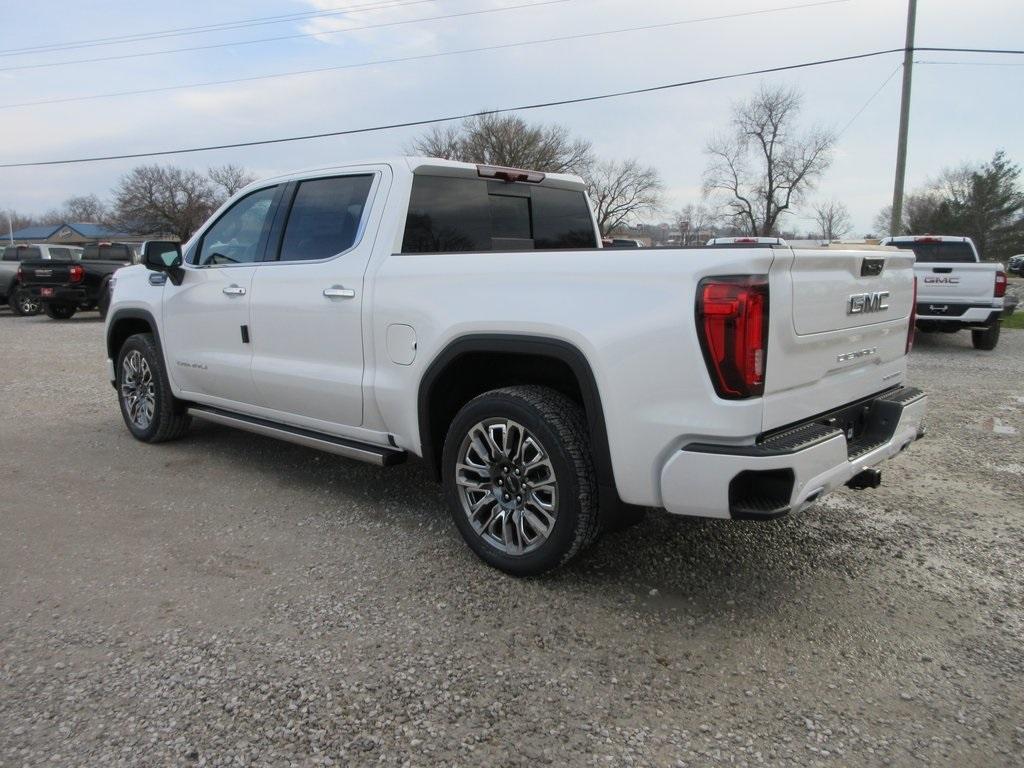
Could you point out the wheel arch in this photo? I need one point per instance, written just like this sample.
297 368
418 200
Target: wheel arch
467 367
128 322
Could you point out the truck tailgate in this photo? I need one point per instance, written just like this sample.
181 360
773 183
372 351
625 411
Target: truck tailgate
46 272
955 283
838 329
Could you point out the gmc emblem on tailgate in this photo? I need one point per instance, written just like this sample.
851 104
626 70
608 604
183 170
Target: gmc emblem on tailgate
863 303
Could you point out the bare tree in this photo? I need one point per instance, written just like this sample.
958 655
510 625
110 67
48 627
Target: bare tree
18 221
696 221
444 141
230 178
163 199
764 166
882 225
52 217
507 140
84 208
833 219
621 191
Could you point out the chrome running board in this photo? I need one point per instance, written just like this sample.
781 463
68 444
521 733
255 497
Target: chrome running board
352 449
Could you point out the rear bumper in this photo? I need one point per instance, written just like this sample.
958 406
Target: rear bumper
787 470
61 294
963 315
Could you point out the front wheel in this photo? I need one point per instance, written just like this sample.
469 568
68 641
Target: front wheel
60 311
987 338
519 477
23 303
149 408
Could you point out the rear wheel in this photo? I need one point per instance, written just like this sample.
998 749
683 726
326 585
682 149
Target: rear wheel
60 311
988 338
23 303
150 411
520 481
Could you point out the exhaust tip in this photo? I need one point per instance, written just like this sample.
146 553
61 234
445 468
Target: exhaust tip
868 478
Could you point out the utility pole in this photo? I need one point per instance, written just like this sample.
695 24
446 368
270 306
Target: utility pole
10 227
901 150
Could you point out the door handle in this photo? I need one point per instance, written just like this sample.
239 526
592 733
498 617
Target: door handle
337 292
233 290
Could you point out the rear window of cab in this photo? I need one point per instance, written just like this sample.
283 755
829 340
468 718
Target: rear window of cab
937 252
449 213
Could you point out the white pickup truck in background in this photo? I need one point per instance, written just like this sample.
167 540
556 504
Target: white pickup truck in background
468 315
955 289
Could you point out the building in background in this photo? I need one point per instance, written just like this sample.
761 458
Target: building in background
77 233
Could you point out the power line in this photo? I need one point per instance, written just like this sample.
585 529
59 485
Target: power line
1008 51
867 103
435 120
222 26
972 63
122 57
521 108
417 57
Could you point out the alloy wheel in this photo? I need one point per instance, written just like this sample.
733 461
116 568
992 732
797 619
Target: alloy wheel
28 304
507 486
138 390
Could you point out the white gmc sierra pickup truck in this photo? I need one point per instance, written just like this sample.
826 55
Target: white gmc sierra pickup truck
955 289
468 315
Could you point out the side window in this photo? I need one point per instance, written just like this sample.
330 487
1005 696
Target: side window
11 253
561 219
324 217
461 214
447 214
91 252
236 236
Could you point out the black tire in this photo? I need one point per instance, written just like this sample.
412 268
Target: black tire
988 338
59 311
169 418
23 304
560 426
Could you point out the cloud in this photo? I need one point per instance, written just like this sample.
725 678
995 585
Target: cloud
400 21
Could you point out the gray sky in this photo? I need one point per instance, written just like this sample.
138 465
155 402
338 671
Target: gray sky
961 112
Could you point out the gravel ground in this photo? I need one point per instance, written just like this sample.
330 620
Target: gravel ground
229 600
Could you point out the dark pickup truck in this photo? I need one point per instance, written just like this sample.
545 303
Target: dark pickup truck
65 288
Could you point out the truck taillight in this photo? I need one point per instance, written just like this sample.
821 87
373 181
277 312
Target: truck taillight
732 323
913 319
76 272
1000 285
17 276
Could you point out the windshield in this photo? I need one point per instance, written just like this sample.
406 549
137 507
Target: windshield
931 253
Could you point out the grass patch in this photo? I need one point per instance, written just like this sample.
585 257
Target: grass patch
1016 320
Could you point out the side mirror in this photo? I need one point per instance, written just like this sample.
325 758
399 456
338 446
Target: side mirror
164 256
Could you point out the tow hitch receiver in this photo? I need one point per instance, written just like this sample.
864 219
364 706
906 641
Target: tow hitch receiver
869 478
